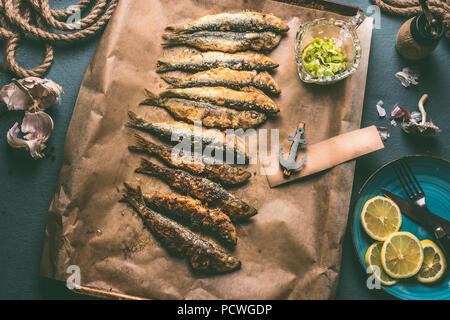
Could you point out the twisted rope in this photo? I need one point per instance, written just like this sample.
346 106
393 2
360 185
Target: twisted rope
34 18
439 8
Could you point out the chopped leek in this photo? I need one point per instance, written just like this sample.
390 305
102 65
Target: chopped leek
324 58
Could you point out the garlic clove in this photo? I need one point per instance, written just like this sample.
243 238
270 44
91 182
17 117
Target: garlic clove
38 127
15 98
380 109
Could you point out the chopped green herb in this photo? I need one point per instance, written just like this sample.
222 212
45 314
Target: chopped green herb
324 58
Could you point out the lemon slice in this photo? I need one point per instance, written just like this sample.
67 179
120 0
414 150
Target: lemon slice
401 255
373 263
434 264
380 217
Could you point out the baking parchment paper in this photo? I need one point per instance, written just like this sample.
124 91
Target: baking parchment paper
290 250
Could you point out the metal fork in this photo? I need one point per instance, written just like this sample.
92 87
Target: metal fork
413 190
409 183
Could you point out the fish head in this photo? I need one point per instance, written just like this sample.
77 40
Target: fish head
248 211
215 262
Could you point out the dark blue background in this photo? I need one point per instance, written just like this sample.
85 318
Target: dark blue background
27 186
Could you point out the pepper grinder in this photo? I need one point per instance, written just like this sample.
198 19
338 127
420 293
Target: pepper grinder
420 35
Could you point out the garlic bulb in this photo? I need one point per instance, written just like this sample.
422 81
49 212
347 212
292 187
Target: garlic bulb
31 94
424 128
37 127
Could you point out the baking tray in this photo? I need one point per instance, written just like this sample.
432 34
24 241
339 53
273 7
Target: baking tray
322 5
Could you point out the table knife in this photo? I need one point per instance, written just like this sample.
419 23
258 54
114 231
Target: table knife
437 225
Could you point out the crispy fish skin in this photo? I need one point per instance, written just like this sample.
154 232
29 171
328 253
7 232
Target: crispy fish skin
198 216
201 188
242 21
176 131
198 165
203 256
224 41
240 100
209 115
225 77
213 59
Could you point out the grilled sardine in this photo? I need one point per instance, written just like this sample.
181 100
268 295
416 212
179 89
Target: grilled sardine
241 100
201 188
207 114
212 59
176 132
242 21
224 41
203 256
225 77
194 163
195 214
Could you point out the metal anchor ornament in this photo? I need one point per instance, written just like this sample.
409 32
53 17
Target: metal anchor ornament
290 164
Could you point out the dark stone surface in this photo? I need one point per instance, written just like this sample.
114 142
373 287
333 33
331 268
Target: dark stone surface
27 186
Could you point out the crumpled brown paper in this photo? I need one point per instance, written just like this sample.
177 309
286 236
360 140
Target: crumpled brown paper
290 250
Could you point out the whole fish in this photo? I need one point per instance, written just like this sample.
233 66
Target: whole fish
178 132
207 114
213 59
201 188
195 214
225 77
224 41
242 21
249 99
203 256
193 163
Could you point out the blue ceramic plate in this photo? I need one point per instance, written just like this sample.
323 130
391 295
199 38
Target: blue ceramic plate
433 175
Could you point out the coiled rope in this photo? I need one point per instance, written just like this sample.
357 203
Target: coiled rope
20 18
439 8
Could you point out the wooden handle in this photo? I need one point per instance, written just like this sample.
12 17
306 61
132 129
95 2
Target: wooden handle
105 294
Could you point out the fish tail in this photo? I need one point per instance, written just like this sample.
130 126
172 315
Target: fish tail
171 80
150 168
163 66
143 145
152 99
132 196
171 39
135 121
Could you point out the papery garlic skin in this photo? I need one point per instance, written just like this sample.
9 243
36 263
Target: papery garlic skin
38 127
380 109
400 113
408 76
15 98
32 94
424 128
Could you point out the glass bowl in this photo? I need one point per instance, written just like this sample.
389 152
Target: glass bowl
344 35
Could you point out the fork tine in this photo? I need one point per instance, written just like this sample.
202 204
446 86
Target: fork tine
408 176
402 182
413 176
